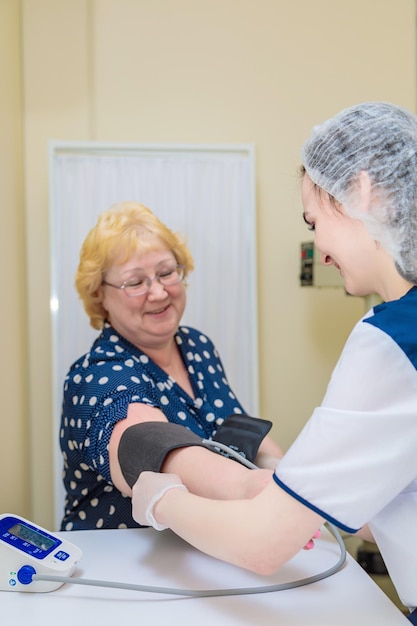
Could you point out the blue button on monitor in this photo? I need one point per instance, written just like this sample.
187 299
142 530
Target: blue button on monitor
61 555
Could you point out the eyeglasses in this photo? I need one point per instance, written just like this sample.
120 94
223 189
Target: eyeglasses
139 285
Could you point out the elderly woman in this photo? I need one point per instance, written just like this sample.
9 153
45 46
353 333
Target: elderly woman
355 462
149 391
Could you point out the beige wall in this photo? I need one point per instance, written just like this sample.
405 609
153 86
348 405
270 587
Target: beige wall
14 450
200 71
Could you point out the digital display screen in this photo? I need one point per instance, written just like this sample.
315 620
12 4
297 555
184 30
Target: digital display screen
32 536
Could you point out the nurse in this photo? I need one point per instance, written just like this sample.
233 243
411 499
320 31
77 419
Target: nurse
355 462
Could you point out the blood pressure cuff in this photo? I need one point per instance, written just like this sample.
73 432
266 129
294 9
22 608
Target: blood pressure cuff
144 447
242 433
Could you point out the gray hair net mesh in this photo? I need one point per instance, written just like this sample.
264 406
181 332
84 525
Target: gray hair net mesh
380 139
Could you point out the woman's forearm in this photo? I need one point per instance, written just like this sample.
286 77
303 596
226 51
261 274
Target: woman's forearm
210 475
269 454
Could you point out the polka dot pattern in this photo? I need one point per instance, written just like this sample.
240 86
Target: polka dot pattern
97 392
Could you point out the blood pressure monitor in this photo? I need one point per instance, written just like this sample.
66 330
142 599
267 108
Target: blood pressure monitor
34 559
27 549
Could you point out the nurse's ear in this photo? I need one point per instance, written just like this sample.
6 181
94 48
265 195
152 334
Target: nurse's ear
364 192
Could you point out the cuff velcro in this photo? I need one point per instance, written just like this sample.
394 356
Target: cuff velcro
242 433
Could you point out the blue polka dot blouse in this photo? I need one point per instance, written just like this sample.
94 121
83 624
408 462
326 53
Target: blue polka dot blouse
97 392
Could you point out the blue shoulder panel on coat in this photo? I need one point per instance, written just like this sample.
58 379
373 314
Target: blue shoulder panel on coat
398 319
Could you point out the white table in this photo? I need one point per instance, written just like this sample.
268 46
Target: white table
148 557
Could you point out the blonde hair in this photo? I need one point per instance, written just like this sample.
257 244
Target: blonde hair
124 229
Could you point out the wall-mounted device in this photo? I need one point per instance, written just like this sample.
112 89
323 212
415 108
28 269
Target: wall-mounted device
27 549
313 273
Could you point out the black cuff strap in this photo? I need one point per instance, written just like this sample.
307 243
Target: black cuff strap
143 447
243 433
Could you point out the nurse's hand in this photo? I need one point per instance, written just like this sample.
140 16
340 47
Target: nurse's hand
147 491
310 544
150 487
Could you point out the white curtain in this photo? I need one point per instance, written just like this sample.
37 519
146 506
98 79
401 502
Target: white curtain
206 193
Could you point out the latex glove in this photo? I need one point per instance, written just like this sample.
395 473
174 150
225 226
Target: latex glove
310 544
147 491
